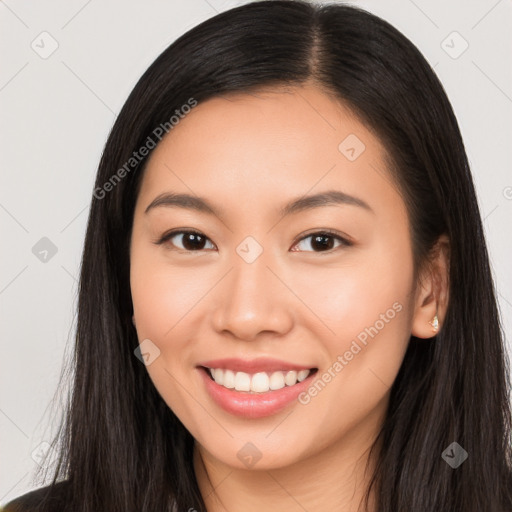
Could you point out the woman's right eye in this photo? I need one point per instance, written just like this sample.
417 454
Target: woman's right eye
190 240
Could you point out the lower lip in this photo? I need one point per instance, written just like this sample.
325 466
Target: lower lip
253 405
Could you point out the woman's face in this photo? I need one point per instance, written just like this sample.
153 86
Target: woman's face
262 286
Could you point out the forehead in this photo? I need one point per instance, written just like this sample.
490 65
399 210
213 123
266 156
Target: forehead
265 145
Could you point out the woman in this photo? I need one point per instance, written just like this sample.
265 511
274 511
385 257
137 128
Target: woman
285 295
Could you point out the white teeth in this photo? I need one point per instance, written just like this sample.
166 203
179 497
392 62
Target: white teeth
291 378
277 381
229 379
218 376
302 375
260 382
242 381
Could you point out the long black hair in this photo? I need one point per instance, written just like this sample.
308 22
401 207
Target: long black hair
121 447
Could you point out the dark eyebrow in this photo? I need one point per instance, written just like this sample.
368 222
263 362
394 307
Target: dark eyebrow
328 198
183 201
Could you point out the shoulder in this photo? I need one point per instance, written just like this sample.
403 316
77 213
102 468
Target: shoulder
29 501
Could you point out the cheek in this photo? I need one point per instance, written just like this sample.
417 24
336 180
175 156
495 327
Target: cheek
369 316
161 295
351 297
162 299
363 311
168 304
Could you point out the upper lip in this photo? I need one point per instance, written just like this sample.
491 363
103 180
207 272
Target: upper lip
260 364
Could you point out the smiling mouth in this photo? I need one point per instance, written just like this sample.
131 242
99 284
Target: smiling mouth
256 383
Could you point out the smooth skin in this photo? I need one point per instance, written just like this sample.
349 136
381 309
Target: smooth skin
248 155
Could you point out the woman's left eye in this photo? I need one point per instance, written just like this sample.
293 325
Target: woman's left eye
195 241
324 240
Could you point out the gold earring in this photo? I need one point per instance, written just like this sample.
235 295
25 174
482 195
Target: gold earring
435 323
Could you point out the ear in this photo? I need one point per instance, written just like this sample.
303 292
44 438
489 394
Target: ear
432 291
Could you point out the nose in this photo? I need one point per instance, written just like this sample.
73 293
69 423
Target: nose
252 300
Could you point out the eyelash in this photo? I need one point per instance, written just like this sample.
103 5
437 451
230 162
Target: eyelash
331 233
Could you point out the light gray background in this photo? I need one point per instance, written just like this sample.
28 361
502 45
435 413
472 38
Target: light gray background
56 115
